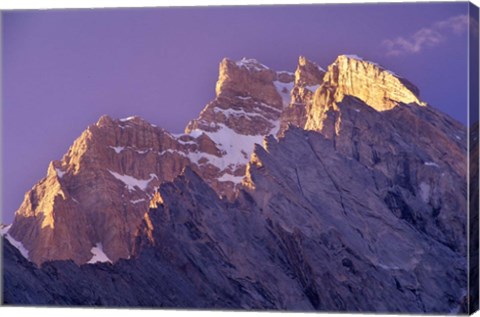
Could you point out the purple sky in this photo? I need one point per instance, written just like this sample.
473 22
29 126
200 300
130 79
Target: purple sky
63 69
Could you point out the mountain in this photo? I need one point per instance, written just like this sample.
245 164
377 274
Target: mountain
98 192
335 190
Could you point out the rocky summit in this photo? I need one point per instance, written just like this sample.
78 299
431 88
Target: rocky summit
330 190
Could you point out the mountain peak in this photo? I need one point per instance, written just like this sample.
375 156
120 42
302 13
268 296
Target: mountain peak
379 88
352 56
104 120
249 99
246 77
308 73
251 64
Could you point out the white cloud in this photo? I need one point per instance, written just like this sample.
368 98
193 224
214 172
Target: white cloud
431 36
457 24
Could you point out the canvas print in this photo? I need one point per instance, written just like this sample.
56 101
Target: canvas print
272 158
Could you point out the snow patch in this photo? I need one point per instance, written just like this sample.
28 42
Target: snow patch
136 201
60 173
261 105
275 129
235 147
285 72
243 98
98 254
201 158
4 230
171 152
132 182
230 178
391 73
196 133
251 64
357 110
431 164
458 137
127 119
358 58
186 142
143 151
18 245
237 113
312 88
117 149
284 90
353 56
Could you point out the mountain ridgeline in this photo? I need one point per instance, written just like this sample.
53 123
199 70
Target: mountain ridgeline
333 190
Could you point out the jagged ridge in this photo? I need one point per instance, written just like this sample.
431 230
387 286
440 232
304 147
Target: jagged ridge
318 229
105 182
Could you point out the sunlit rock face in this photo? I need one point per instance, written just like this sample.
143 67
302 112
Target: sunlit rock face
308 77
351 76
250 98
379 88
99 191
340 183
247 100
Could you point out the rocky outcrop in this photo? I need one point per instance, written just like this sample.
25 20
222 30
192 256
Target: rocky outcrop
351 76
379 88
247 100
308 78
98 192
250 98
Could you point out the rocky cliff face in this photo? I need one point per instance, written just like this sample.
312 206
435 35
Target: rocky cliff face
98 192
308 78
250 100
352 76
359 187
